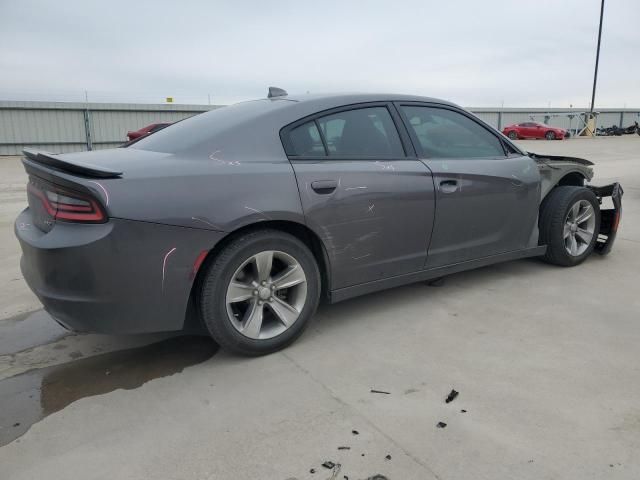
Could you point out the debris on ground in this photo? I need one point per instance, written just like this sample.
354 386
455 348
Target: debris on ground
380 391
463 411
313 470
388 457
451 397
344 448
355 432
377 477
441 425
17 424
328 464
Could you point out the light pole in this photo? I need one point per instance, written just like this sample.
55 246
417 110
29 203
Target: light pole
595 73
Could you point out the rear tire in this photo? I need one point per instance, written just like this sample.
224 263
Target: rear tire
569 224
260 292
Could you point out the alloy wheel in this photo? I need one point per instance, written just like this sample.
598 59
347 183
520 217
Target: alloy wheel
266 294
579 228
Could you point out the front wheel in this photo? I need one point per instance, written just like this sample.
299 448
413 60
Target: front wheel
513 135
569 225
550 136
260 292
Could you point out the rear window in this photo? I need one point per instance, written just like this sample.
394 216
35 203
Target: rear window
191 132
366 132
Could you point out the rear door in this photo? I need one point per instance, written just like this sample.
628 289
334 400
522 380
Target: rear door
363 190
487 196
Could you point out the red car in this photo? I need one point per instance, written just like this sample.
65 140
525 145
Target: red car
154 127
534 130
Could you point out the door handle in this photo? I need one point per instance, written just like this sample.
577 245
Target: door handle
324 187
448 186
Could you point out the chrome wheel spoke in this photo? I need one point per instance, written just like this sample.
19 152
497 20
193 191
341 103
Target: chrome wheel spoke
585 215
264 263
567 230
575 210
253 322
238 292
285 312
573 245
584 235
290 277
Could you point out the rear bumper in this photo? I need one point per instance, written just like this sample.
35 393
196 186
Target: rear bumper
118 277
609 217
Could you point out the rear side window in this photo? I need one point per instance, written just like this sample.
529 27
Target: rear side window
365 132
305 141
444 133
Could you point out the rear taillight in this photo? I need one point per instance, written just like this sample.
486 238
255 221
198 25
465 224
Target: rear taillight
67 205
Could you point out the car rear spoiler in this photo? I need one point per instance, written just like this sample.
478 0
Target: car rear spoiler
58 162
610 217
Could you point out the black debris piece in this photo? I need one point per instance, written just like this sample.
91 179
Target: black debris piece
313 470
463 411
451 397
380 391
355 432
378 477
345 477
344 448
328 464
388 457
17 424
441 425
436 282
362 454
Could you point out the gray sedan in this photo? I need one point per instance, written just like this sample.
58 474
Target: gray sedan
237 222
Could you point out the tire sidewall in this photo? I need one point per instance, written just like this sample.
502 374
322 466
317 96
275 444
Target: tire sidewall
214 290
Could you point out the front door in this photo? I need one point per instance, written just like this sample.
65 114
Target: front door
371 203
487 197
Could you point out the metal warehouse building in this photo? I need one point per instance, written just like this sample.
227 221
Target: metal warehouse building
69 127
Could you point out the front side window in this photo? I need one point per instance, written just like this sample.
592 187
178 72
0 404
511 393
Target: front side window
365 132
444 133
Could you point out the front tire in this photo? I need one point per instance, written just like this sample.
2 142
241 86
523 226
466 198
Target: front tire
513 135
550 135
260 292
569 224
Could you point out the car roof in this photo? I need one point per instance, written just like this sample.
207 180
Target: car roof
336 99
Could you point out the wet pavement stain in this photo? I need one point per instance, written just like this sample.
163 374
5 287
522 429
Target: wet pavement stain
27 398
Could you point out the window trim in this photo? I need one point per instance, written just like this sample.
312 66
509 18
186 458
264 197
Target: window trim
418 146
403 135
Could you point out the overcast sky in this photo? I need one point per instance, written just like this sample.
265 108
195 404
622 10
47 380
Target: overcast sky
476 53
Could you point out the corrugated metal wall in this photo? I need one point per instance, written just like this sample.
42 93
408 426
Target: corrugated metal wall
62 127
67 127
